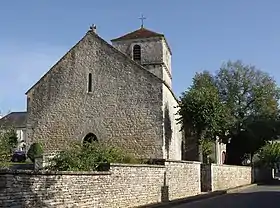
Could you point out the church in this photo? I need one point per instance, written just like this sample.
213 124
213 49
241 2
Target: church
119 93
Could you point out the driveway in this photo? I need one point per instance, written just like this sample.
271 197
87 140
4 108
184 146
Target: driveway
255 197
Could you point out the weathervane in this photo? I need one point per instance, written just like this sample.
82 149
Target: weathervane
142 18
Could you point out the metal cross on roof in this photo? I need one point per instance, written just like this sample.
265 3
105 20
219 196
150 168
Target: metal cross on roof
142 18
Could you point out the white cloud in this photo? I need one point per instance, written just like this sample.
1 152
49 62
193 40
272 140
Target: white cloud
21 66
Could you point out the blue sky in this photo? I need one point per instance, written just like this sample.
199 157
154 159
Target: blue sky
202 34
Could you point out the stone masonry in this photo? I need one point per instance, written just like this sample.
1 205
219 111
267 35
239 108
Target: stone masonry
123 186
126 107
219 177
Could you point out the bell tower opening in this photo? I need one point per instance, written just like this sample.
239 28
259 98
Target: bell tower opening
137 53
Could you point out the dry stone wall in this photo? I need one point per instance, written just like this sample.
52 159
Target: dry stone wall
229 176
183 179
122 186
219 177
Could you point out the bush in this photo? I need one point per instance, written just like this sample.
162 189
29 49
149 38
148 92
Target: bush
88 158
35 151
269 155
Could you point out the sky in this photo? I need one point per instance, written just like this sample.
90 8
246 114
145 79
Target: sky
202 34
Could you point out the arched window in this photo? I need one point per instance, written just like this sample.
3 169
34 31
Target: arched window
89 82
90 138
137 53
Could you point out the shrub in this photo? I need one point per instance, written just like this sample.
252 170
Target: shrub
89 157
35 151
269 155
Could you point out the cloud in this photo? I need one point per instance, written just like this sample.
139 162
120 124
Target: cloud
21 66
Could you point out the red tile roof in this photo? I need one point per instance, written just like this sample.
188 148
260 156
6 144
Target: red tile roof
140 33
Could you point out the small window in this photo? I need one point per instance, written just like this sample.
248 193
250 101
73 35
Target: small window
137 53
89 82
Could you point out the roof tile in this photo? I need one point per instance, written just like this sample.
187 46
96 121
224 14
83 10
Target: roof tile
137 34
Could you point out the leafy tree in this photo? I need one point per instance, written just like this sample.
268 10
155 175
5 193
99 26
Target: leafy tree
207 149
247 92
8 141
251 97
202 114
200 107
235 104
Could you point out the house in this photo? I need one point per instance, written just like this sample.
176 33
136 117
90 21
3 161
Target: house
17 121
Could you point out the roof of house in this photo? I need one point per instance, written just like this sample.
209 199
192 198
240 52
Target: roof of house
137 34
14 119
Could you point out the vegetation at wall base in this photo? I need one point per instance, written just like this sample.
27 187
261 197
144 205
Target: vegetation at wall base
89 157
35 151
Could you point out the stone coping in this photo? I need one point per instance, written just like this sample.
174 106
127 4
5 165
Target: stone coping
46 172
183 161
136 165
224 165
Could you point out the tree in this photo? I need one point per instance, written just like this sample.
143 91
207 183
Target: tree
200 107
248 93
251 97
8 141
201 113
237 102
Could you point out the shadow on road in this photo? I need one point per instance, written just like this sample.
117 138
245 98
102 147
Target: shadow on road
261 196
275 182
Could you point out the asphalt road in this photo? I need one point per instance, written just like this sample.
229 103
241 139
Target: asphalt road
255 197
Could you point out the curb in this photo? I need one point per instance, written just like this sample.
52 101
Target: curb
199 197
185 200
240 188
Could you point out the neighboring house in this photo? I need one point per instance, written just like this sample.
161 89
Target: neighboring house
220 150
120 94
16 120
192 149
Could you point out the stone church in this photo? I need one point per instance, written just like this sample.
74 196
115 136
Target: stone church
119 93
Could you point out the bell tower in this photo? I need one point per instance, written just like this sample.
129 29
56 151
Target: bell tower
148 48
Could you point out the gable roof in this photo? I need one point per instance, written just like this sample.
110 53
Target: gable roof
138 34
113 48
14 119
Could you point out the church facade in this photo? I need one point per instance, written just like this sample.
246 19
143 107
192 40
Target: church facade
120 94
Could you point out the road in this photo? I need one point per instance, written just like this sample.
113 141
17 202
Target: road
255 197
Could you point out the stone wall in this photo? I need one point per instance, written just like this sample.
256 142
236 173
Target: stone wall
122 186
220 177
183 179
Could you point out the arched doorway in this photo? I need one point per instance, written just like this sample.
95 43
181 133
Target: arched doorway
90 138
